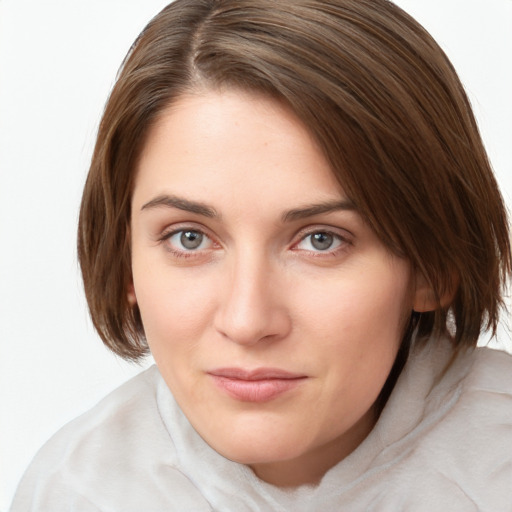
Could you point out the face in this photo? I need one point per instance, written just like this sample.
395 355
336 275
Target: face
272 310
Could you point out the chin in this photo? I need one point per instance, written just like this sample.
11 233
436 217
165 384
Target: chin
259 448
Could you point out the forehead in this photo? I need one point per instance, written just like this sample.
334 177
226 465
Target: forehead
229 147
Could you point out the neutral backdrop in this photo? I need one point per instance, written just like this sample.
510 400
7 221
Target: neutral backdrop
58 61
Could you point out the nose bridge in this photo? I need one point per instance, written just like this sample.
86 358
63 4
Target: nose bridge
251 308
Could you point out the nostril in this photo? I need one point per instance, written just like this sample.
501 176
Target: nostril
248 324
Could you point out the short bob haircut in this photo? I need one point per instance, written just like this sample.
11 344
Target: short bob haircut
382 101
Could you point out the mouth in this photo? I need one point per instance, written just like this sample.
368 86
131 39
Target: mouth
259 385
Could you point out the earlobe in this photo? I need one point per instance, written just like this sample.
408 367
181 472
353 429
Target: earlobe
425 299
132 299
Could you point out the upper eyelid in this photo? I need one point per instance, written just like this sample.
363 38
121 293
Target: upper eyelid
346 238
186 226
309 230
166 235
299 235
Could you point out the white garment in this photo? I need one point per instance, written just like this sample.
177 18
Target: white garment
443 443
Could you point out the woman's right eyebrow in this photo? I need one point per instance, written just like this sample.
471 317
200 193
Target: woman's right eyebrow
170 201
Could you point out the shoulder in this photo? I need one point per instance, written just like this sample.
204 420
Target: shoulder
485 395
118 454
127 413
481 418
466 451
491 371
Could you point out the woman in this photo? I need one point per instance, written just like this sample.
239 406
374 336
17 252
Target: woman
289 204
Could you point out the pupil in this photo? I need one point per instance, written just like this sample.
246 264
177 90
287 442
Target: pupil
191 239
321 241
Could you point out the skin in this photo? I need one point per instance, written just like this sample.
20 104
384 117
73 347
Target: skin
263 289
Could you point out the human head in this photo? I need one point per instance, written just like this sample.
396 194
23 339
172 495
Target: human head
380 98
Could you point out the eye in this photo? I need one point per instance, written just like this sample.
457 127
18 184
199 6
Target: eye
320 241
188 240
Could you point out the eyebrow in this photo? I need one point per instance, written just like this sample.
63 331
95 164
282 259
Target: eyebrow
318 209
181 204
171 201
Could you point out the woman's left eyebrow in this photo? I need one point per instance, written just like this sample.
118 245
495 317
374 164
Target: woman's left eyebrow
317 209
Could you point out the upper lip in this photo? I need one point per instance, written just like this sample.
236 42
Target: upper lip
255 374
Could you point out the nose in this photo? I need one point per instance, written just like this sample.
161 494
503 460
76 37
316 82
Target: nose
252 306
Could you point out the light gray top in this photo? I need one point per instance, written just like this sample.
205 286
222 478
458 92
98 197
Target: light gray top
442 443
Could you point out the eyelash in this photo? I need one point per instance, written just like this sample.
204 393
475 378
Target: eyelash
343 242
166 236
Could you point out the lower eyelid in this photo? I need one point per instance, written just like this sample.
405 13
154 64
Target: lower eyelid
175 251
341 242
205 238
336 236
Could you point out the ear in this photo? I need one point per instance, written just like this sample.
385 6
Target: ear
425 298
132 299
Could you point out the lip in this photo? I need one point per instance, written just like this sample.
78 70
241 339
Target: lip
258 385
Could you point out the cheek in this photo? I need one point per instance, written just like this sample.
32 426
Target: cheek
174 306
376 300
358 320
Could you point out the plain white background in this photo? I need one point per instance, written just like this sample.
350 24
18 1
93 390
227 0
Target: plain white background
58 61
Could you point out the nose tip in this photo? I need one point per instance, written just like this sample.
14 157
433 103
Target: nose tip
252 311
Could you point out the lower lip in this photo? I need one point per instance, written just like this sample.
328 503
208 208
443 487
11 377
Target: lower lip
255 390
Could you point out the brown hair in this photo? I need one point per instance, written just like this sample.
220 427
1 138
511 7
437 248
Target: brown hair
381 99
